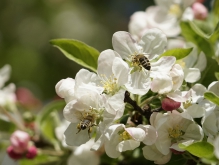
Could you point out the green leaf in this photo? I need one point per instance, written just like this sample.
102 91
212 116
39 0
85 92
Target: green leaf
179 53
6 126
215 35
47 109
47 128
48 120
217 75
78 51
192 34
40 160
212 97
199 149
215 8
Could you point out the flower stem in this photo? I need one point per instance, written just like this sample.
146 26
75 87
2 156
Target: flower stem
147 101
11 118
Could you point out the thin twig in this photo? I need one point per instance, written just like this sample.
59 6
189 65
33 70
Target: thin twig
11 118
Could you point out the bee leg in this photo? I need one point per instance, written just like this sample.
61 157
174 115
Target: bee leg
89 131
79 128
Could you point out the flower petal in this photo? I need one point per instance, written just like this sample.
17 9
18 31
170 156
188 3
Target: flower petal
127 145
192 74
153 42
73 138
105 62
150 134
120 69
162 84
139 83
124 44
164 65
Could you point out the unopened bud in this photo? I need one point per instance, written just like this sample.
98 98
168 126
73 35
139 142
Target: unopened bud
169 104
31 152
176 152
12 154
19 141
199 10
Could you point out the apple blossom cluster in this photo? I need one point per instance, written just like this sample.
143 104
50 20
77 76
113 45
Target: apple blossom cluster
166 15
137 98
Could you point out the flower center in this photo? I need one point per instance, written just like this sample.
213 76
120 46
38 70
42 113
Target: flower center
181 63
175 10
125 136
175 133
110 84
188 103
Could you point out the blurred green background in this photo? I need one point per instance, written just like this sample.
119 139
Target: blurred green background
27 26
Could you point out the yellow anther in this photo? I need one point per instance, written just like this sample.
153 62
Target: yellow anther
175 10
125 136
175 133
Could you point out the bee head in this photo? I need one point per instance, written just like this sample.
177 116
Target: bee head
83 127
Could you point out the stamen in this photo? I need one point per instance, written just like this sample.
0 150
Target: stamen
175 133
175 10
125 136
110 84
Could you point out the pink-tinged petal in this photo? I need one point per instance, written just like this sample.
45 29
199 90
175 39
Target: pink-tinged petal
180 96
124 44
65 89
120 69
113 130
139 83
162 84
200 11
163 65
192 74
19 141
73 138
127 145
137 134
150 134
105 62
153 42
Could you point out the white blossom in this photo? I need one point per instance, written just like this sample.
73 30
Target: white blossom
174 128
117 138
151 45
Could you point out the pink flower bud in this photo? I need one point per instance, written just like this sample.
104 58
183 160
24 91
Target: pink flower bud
31 152
200 11
169 104
176 152
13 154
19 141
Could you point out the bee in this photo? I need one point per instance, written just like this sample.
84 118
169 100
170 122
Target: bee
87 121
142 61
